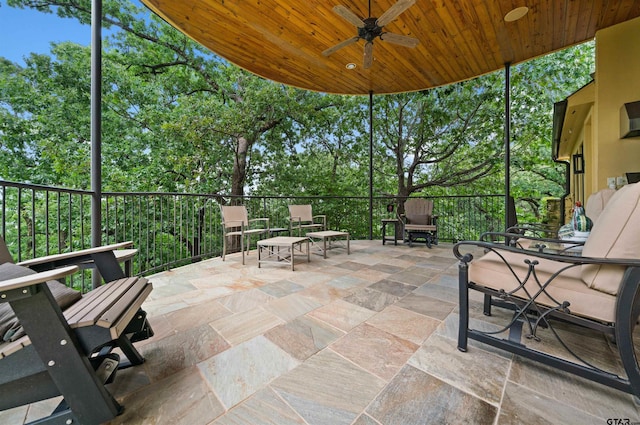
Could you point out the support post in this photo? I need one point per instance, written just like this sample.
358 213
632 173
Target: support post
96 129
370 165
507 143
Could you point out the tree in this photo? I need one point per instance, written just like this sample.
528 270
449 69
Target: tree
536 85
232 108
178 118
323 152
444 137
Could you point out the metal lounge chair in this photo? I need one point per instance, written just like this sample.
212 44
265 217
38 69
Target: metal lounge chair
419 222
551 295
236 223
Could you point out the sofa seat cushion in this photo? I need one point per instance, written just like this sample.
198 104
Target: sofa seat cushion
615 235
491 271
10 328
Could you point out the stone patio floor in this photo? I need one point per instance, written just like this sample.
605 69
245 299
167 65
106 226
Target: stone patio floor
362 339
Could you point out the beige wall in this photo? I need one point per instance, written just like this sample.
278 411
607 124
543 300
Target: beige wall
617 82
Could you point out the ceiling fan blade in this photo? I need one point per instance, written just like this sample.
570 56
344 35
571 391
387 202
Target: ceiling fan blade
368 55
349 16
339 46
402 40
393 12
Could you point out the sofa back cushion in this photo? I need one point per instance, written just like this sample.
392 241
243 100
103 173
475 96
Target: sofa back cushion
616 235
596 203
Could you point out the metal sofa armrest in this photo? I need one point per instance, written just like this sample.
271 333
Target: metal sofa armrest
565 258
537 229
539 243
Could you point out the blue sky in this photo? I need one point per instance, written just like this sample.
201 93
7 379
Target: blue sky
23 31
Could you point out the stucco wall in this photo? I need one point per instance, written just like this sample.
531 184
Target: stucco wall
617 82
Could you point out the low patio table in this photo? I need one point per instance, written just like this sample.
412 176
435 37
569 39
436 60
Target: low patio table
272 247
329 235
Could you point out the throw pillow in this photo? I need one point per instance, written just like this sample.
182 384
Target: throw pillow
10 328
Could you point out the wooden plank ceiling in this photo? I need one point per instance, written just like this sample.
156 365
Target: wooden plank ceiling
283 40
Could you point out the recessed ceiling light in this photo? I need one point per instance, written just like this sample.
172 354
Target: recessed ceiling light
516 14
351 65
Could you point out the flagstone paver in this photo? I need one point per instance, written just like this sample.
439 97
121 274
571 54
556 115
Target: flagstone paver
361 339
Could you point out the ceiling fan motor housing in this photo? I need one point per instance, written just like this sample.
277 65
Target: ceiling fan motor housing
370 30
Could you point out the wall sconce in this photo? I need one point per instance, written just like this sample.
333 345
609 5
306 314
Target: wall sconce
578 164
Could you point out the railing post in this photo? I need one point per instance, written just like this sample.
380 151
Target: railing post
507 144
371 165
96 136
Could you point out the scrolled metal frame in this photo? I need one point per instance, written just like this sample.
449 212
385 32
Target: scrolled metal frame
534 315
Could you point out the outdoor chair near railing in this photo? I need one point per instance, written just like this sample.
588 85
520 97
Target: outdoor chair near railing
56 341
554 293
236 224
419 222
301 218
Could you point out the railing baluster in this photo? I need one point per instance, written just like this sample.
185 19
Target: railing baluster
4 212
46 228
19 219
32 223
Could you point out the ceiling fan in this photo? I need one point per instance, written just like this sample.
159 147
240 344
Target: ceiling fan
371 28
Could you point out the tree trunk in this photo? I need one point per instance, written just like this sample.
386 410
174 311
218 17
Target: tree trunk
240 166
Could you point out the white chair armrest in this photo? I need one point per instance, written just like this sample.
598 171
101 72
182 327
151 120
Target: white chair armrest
67 255
32 279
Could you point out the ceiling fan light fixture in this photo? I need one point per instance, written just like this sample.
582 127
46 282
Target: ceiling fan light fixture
516 14
370 28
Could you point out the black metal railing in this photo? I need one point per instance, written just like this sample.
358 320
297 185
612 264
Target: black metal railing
173 229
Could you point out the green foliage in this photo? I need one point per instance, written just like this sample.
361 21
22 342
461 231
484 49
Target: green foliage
177 118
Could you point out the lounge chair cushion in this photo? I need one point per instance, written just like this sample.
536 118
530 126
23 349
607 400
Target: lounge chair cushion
10 328
490 271
616 235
